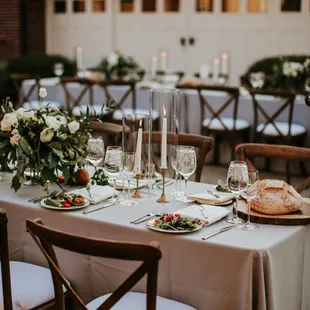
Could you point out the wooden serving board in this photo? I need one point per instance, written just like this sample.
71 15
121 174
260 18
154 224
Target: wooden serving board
300 217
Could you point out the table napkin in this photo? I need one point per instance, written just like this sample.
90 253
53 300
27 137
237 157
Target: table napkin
210 199
98 193
214 213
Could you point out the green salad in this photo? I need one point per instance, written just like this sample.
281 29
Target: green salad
176 222
222 187
65 200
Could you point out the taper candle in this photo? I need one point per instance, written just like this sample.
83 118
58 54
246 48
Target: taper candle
164 142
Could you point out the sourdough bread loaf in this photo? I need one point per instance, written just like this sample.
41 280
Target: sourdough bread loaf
276 197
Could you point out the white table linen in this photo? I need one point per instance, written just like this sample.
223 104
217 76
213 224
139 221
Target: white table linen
262 269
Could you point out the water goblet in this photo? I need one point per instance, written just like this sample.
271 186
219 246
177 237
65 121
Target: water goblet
173 160
113 164
186 166
128 173
237 182
95 151
250 193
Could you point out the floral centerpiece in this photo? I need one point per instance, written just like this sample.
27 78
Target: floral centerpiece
45 141
119 66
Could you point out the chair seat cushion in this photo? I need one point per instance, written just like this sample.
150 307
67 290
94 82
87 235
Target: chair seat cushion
137 301
31 285
76 111
228 122
118 114
270 130
35 104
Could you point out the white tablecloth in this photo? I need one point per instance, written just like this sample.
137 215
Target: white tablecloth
268 268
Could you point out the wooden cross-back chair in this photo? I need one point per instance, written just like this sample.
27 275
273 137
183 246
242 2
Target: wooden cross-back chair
248 151
21 285
203 145
268 128
149 255
221 127
23 97
110 132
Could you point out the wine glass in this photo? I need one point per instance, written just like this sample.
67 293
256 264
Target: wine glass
129 171
237 182
249 194
58 69
173 160
95 151
186 165
113 164
257 79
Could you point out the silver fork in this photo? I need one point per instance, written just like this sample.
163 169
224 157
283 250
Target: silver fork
213 194
203 211
146 216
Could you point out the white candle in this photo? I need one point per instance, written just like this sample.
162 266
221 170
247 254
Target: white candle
224 64
216 69
164 142
163 61
154 67
139 148
204 72
79 58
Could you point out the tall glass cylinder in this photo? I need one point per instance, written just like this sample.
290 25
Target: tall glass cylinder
164 111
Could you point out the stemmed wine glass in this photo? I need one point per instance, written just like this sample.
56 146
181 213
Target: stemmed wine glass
250 193
237 182
113 164
173 159
128 173
95 151
186 166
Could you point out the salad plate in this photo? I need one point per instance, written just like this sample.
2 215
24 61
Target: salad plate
65 202
175 224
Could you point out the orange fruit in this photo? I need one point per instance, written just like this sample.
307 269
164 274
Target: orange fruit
82 177
61 179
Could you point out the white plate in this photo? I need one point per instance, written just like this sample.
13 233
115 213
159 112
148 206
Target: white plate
151 222
44 205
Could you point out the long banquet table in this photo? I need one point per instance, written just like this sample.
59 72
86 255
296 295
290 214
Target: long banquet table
264 269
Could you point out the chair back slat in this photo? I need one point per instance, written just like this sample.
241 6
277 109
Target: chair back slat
287 103
149 255
287 152
5 263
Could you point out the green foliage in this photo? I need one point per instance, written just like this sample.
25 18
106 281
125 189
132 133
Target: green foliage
276 78
99 178
119 66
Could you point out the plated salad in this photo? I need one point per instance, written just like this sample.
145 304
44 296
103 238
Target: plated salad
65 200
176 222
222 187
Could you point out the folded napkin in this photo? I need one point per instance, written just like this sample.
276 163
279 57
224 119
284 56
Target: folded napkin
210 199
98 193
214 213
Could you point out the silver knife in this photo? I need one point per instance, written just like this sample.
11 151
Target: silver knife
99 208
218 232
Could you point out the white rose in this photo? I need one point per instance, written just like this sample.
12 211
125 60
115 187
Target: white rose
9 120
20 112
42 93
14 140
61 119
52 122
46 135
112 59
73 126
29 114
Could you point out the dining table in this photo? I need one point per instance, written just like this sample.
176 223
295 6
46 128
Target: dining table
263 269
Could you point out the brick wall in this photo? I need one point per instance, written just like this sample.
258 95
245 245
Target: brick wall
9 29
15 38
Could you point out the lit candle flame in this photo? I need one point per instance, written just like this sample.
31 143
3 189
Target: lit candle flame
163 54
164 110
224 56
155 59
216 61
79 49
140 123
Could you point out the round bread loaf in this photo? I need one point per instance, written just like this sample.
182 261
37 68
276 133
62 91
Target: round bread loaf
276 197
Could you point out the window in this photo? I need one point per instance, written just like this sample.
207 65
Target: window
78 6
172 5
290 5
148 5
60 6
98 6
257 6
127 5
204 5
231 6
